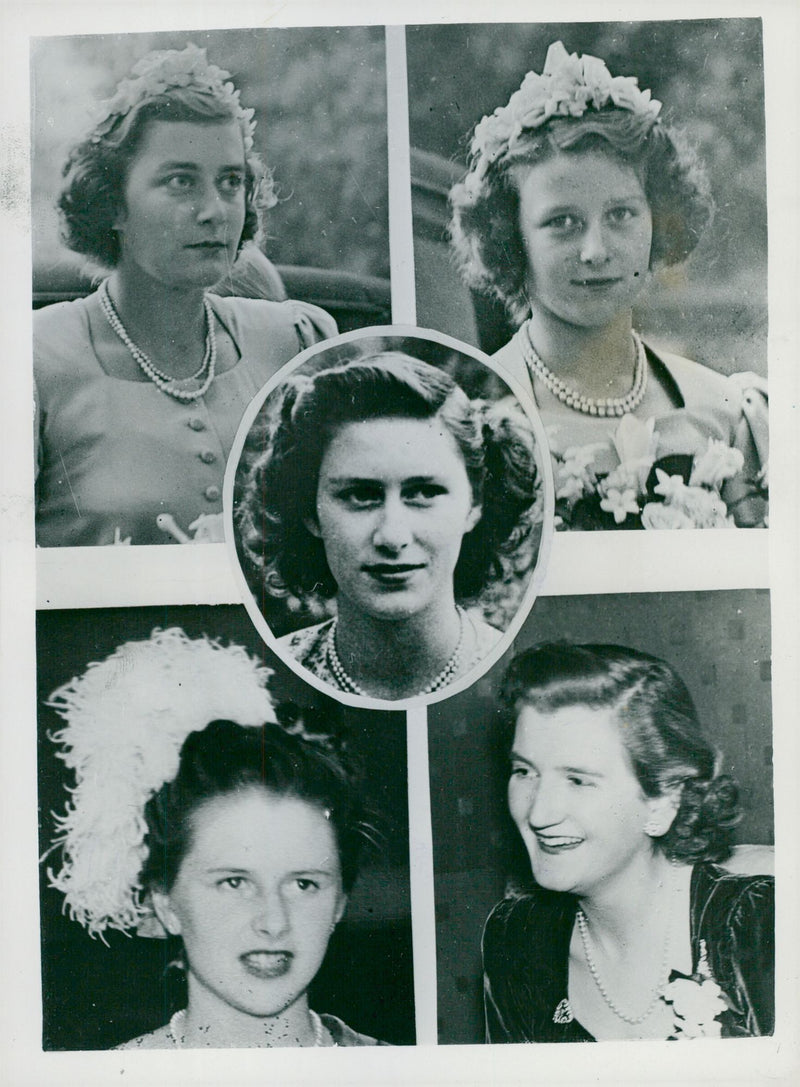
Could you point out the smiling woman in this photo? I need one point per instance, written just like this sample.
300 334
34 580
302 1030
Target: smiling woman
234 836
577 196
140 386
631 926
380 486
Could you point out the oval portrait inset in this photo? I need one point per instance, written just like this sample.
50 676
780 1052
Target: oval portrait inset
389 504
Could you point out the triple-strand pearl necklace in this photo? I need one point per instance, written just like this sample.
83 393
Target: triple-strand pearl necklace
347 683
167 384
602 406
177 1026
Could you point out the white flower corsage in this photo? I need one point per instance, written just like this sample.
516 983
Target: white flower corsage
697 1001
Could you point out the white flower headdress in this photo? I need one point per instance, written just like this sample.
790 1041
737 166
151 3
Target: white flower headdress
166 69
569 86
126 720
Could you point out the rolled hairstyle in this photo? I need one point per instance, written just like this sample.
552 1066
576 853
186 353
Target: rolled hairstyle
574 106
168 85
278 489
225 758
659 728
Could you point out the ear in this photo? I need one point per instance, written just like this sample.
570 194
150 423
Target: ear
341 906
473 517
165 913
661 812
312 524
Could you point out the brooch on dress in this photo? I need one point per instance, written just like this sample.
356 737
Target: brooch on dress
563 1012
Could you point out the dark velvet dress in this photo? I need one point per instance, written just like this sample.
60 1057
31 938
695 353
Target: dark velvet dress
526 957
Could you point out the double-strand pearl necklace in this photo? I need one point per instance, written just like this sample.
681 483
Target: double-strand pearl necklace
663 976
162 381
347 683
177 1026
602 406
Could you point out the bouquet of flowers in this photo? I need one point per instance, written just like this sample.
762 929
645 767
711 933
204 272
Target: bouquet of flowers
676 491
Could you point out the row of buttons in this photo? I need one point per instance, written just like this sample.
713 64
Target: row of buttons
212 494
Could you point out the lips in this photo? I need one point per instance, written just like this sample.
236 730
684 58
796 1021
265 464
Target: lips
267 964
597 284
389 573
554 844
211 246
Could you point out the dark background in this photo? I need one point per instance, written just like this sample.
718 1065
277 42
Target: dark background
96 996
320 101
719 643
708 73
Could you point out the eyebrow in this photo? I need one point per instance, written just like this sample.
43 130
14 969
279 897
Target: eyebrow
172 164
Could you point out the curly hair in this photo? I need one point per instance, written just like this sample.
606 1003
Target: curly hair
225 758
97 168
278 490
662 734
485 227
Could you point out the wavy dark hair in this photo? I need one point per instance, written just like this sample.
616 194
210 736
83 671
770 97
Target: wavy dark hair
662 733
278 489
225 758
485 228
96 171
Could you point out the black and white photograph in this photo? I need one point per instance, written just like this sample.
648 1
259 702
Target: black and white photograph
198 221
619 767
225 850
603 233
447 752
388 511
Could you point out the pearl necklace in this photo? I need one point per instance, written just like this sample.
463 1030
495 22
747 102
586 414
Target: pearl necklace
604 406
347 683
177 1026
663 975
164 382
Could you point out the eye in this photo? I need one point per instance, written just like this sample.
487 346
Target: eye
306 885
179 182
232 883
563 224
361 495
623 214
521 771
232 183
580 781
423 493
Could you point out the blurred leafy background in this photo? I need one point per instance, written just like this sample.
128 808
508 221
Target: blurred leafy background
320 101
709 75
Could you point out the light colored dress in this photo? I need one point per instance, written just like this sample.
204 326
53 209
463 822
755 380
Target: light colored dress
336 1033
114 454
728 412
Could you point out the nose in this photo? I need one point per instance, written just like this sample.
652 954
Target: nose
271 916
594 246
392 529
544 805
210 206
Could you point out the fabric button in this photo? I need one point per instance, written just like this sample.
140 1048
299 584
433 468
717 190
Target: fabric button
212 493
207 456
197 424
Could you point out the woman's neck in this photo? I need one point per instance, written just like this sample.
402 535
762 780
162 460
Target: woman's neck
633 899
168 323
211 1022
397 658
598 362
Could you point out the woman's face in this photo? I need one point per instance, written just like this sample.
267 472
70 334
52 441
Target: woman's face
588 230
393 504
184 202
575 799
255 900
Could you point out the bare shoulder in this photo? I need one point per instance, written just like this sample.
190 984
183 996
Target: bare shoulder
156 1039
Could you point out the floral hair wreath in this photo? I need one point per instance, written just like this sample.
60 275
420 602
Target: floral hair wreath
163 70
569 86
126 720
